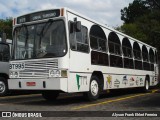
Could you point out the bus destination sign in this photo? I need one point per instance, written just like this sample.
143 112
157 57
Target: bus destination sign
38 16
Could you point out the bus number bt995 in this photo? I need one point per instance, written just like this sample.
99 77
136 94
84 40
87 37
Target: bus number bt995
17 66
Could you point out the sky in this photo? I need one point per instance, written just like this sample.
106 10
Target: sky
104 11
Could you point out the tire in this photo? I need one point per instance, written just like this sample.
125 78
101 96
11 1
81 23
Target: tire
146 86
50 95
94 89
3 87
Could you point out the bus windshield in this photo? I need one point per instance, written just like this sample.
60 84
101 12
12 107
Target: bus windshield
42 40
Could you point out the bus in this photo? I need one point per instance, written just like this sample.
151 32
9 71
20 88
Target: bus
59 50
4 66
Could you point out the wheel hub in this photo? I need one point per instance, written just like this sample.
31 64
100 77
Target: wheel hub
94 87
2 87
147 85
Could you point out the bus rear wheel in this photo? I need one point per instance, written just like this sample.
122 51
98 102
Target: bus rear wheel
3 86
94 89
50 95
146 86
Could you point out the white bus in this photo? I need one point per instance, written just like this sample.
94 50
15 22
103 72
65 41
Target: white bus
60 50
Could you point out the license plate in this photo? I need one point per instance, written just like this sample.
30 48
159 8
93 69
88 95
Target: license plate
17 66
31 83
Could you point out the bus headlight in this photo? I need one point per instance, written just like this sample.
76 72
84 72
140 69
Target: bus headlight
11 74
54 73
51 73
14 74
57 73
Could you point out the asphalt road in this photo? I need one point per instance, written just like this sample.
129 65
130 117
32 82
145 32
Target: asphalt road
118 101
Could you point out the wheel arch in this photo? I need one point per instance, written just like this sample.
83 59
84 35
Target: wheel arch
4 75
3 79
147 78
100 76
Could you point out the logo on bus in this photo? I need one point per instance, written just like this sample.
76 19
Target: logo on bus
109 81
125 80
81 80
116 83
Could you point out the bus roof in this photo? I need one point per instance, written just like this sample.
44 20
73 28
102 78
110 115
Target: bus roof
109 28
91 20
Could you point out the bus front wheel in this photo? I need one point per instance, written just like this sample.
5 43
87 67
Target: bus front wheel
50 95
94 89
3 86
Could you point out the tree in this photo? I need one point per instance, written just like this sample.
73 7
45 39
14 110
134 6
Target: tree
142 21
6 26
154 4
133 11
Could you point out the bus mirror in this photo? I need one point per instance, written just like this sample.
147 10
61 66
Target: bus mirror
71 28
78 26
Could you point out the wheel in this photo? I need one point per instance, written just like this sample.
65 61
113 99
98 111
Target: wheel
50 95
146 86
94 89
3 86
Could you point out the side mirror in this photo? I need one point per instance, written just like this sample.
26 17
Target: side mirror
78 26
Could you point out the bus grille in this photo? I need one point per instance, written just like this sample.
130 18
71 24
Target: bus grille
38 69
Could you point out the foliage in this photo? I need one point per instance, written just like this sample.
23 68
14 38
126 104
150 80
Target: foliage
6 26
133 11
142 21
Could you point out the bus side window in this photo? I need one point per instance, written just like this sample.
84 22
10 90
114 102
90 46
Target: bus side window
78 39
116 61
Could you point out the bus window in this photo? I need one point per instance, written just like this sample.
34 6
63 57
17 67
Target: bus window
145 53
98 38
126 47
137 51
151 58
127 53
32 41
128 63
79 39
146 65
138 64
98 58
116 61
151 55
98 43
156 57
137 56
115 50
114 44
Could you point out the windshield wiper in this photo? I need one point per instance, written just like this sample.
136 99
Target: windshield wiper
26 40
46 27
42 33
25 26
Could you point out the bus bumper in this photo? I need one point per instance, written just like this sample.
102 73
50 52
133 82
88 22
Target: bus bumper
38 84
